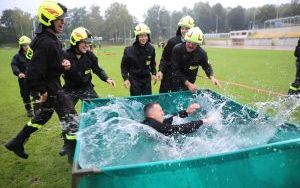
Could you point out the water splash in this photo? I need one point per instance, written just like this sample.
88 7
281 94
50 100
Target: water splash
281 110
114 135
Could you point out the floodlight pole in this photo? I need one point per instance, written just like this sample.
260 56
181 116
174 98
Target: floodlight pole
217 23
33 28
253 26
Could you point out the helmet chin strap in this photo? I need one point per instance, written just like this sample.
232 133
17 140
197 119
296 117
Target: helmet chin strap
77 51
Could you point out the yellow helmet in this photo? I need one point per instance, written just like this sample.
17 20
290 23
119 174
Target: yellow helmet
141 29
24 40
194 35
50 10
186 21
80 34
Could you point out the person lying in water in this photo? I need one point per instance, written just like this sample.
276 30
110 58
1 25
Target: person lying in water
155 119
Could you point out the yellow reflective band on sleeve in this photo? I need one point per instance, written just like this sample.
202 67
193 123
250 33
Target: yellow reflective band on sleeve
71 137
148 63
87 71
30 124
294 88
193 67
29 53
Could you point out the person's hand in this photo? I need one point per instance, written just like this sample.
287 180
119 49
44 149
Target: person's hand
153 78
159 76
192 87
211 119
192 108
214 81
127 84
21 75
43 97
111 82
66 64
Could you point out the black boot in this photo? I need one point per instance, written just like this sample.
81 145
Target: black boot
70 149
62 151
28 110
294 88
29 113
16 144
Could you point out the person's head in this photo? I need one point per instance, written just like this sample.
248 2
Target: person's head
24 42
153 110
142 34
193 38
80 40
184 24
51 15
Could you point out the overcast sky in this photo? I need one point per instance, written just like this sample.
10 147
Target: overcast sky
136 8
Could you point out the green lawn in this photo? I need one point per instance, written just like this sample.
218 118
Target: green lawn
272 70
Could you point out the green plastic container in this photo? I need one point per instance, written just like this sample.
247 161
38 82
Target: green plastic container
275 164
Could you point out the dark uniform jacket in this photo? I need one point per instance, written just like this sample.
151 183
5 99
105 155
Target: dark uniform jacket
19 64
44 69
80 74
165 61
138 61
167 128
185 65
297 51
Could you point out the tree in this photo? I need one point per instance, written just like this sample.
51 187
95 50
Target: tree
187 12
95 22
118 22
290 9
152 20
250 17
265 12
77 17
14 23
203 17
159 21
220 13
164 23
237 18
175 17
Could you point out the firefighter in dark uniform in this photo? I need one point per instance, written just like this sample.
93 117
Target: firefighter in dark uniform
165 70
186 59
155 119
295 86
78 79
43 76
19 65
138 64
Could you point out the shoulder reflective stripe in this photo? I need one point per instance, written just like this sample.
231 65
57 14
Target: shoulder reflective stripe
294 88
87 71
71 137
29 53
30 124
193 67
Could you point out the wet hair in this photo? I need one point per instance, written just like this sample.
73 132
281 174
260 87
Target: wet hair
148 107
178 32
21 48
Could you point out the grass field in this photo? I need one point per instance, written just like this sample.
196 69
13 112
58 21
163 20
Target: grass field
271 70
